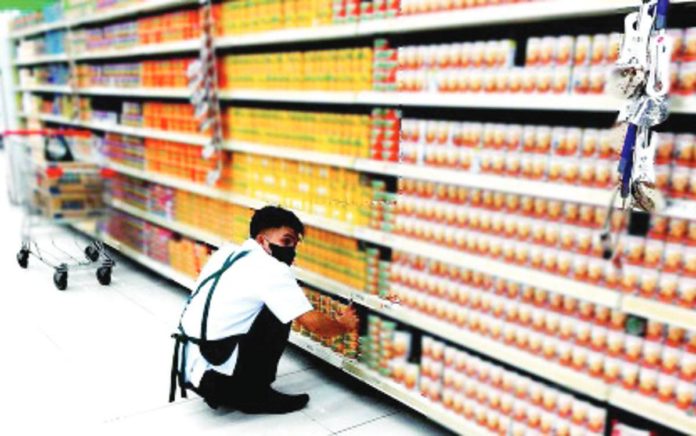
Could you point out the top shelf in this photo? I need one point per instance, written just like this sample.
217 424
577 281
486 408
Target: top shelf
526 12
144 6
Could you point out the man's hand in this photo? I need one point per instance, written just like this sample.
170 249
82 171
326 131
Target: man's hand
322 325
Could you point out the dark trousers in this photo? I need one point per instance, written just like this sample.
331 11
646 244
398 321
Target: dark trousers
257 362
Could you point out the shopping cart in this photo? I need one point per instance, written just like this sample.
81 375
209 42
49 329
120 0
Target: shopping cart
53 189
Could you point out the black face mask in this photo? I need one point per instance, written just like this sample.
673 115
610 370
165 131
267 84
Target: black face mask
283 254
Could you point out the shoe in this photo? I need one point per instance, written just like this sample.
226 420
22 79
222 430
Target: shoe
272 402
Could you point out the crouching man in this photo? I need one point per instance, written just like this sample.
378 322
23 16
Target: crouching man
236 324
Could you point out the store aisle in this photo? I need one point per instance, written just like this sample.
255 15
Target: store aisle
95 360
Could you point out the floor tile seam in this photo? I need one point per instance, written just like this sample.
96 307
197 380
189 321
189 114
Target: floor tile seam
370 421
134 414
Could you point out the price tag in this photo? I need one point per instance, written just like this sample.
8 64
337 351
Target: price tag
359 297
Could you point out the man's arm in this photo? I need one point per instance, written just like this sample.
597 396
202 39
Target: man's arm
322 325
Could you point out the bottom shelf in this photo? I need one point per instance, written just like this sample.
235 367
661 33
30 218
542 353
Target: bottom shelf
411 399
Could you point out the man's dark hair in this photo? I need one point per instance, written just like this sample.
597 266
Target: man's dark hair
273 217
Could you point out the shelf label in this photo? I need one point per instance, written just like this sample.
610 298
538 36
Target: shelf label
358 296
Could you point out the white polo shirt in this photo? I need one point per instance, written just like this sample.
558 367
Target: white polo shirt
255 280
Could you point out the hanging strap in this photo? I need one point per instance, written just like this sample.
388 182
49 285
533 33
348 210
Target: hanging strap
179 356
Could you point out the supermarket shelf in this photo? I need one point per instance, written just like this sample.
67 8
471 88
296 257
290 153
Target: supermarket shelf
533 364
322 33
148 133
177 93
57 89
514 185
653 409
136 9
435 412
143 132
317 350
143 50
667 313
41 28
563 102
42 59
412 399
504 14
681 210
99 16
329 97
566 102
485 265
335 160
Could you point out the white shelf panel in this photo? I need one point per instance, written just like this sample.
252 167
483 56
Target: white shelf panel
177 93
291 154
485 265
654 410
504 14
335 97
96 16
41 28
551 102
681 210
667 313
143 132
322 33
555 191
43 59
58 89
144 6
149 133
566 102
682 105
597 197
143 50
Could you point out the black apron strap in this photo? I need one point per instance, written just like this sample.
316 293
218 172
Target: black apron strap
181 339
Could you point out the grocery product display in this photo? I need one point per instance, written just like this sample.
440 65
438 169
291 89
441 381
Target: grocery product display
468 242
346 344
497 399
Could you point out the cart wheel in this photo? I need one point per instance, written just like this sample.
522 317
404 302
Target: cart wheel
92 253
60 279
104 275
23 258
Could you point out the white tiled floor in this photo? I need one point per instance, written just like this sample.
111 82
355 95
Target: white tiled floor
95 360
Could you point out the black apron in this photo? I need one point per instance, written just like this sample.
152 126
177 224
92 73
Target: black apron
216 352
